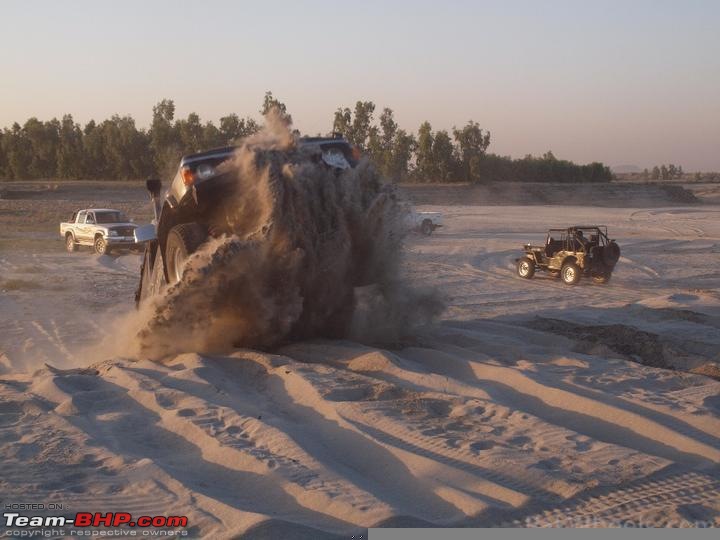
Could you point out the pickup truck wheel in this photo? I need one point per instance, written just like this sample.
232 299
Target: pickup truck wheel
182 241
570 273
525 268
426 227
70 244
101 246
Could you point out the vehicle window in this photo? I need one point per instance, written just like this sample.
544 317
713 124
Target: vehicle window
111 217
89 219
81 217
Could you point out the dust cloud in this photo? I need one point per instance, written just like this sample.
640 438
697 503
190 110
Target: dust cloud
314 252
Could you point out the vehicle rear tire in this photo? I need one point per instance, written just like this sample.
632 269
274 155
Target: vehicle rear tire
182 241
611 254
426 227
570 273
602 278
526 268
101 246
70 244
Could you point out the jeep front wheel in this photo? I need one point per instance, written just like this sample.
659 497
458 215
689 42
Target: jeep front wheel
525 268
182 241
570 273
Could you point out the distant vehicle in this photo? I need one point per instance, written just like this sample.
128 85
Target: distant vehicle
194 206
424 222
572 253
104 229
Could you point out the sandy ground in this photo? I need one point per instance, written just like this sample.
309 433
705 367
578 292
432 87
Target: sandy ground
528 403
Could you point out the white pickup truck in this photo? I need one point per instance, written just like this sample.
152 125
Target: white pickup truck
102 228
424 222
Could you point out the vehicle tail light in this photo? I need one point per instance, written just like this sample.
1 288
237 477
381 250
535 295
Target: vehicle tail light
188 176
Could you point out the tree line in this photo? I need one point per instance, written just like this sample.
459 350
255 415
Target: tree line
117 149
664 172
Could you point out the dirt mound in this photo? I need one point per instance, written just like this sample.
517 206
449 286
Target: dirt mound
639 346
304 237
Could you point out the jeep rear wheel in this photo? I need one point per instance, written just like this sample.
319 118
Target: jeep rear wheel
602 278
570 273
525 268
182 241
611 254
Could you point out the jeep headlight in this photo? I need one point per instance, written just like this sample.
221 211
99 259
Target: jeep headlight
112 233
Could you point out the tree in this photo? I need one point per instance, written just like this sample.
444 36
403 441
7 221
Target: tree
355 126
472 144
70 149
655 173
270 103
18 152
233 128
425 166
444 157
190 134
93 163
163 138
43 138
403 148
664 172
3 158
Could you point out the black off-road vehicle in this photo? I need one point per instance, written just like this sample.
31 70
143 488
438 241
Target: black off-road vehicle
571 253
194 207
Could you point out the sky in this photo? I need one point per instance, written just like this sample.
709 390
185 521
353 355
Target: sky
622 82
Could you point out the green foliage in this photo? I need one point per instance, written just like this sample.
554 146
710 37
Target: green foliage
70 149
471 145
233 128
667 172
18 152
355 126
425 167
116 149
389 147
547 168
444 157
270 103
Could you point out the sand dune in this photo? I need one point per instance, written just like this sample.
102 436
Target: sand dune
491 416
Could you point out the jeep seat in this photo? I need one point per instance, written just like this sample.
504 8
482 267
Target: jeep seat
552 247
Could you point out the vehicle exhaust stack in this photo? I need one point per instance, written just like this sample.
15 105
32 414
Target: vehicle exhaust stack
154 186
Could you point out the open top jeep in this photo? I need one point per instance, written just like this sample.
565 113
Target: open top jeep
571 253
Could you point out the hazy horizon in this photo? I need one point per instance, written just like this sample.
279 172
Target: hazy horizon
624 84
